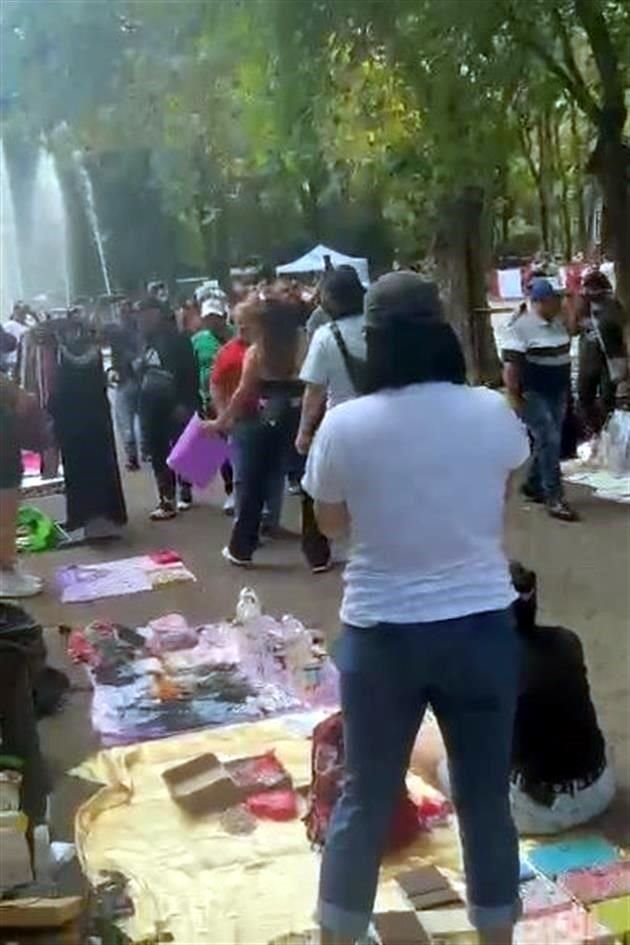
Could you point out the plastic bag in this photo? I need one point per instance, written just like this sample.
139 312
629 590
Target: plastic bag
248 606
616 443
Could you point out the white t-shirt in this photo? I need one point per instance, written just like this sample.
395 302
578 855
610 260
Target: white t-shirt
17 329
423 472
324 364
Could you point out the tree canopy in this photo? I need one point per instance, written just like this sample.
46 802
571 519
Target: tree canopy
261 126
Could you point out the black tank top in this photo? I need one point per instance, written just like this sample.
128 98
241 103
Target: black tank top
556 736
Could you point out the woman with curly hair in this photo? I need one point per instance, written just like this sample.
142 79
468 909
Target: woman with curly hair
268 397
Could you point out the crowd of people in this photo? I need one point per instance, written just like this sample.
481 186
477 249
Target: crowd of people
341 391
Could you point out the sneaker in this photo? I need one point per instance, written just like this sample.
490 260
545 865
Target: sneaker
237 562
15 584
562 511
184 504
229 505
322 568
294 487
132 465
530 494
164 512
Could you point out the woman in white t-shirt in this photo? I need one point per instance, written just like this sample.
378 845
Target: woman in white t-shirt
426 608
331 369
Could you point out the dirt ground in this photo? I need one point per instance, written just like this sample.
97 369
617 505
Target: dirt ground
583 570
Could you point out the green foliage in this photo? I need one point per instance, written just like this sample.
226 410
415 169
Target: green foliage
268 124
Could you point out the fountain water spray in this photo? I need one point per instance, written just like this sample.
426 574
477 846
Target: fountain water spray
90 208
11 281
48 272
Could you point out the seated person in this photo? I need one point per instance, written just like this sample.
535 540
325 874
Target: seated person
560 775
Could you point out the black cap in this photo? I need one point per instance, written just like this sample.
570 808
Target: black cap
401 296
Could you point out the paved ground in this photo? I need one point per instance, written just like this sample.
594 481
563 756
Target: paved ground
583 570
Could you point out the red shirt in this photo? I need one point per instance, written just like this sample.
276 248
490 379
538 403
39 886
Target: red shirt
228 366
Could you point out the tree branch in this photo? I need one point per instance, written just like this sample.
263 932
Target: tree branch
569 57
578 92
605 54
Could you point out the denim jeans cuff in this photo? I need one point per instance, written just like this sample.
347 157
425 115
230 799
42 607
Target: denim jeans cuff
494 917
342 922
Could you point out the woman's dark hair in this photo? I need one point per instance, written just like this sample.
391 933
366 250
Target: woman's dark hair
342 292
526 604
280 314
413 352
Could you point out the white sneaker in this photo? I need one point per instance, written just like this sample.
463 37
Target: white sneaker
228 505
15 584
183 505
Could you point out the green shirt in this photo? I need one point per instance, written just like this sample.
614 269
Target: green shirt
206 347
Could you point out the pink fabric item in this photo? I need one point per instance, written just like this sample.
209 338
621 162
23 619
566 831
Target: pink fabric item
165 557
197 457
599 883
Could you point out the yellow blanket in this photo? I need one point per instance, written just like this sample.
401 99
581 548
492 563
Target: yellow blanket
191 878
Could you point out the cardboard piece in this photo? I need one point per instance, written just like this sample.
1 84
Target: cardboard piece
435 899
424 880
202 786
399 928
39 913
427 888
445 923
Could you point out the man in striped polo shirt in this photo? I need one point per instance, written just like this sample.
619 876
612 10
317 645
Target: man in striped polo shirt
537 372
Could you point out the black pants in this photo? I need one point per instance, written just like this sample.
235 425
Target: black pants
315 546
265 448
596 390
162 425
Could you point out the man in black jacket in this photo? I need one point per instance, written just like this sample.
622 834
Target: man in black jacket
169 395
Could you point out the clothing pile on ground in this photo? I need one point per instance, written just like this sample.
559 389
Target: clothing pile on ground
169 677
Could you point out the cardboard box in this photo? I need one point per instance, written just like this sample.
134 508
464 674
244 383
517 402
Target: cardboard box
399 928
39 913
202 786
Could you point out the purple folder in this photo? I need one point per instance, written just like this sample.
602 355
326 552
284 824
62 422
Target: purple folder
197 456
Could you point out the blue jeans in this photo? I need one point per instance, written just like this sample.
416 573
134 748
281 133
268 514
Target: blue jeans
127 403
467 670
272 511
544 415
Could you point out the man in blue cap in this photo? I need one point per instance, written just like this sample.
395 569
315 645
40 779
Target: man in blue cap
537 371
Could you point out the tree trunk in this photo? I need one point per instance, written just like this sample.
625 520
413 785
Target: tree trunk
460 259
612 166
544 179
565 209
577 160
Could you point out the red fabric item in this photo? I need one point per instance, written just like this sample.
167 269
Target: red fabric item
166 556
327 771
228 366
80 650
273 805
405 825
263 772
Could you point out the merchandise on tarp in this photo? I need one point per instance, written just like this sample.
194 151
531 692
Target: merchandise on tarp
315 261
168 677
197 880
81 583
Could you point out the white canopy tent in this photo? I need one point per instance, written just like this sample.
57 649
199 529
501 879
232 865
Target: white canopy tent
314 261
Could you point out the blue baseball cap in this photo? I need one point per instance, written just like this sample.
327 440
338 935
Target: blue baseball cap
541 289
